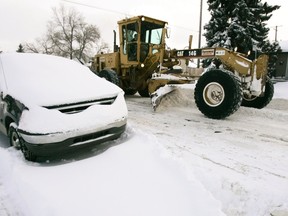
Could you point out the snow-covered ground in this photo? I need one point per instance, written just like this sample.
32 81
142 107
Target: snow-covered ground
172 162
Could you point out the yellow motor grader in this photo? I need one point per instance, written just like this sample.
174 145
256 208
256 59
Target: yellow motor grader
143 64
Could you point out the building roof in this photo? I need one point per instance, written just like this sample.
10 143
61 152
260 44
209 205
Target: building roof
284 45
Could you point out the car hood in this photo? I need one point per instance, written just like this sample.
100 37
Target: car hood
36 79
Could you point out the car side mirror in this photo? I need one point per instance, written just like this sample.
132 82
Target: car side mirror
1 95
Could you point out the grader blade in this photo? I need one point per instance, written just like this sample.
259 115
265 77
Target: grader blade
158 95
162 84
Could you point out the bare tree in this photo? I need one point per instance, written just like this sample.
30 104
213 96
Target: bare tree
102 47
68 35
42 45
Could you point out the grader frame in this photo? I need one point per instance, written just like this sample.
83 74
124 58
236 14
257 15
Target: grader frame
143 64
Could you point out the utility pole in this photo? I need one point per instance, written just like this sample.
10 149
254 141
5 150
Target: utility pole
200 31
276 32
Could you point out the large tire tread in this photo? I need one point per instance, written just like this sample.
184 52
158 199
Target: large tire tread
109 75
144 92
232 89
261 102
130 91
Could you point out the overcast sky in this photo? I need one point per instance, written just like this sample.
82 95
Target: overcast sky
23 21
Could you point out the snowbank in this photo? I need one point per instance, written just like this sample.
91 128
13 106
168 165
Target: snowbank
130 178
281 90
184 164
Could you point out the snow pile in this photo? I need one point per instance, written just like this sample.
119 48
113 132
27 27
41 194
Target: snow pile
184 164
128 179
181 96
280 90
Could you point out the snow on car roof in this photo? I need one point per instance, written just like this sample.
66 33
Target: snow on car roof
50 80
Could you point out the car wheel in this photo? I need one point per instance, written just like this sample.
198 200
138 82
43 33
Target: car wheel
13 136
15 141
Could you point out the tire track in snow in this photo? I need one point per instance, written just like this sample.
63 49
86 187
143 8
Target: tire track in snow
242 160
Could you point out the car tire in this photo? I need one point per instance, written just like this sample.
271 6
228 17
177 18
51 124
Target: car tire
14 138
16 142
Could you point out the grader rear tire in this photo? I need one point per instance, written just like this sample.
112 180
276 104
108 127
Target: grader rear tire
144 92
130 91
109 75
260 102
218 94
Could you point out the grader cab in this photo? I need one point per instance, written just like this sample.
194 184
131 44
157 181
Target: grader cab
143 64
142 44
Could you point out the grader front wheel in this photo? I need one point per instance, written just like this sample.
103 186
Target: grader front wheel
218 94
144 92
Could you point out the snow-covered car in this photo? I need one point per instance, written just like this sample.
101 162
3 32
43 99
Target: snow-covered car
50 105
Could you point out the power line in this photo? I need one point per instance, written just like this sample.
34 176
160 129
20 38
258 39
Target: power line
185 28
96 7
118 12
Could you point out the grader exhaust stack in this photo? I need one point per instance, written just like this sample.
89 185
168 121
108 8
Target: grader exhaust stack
144 65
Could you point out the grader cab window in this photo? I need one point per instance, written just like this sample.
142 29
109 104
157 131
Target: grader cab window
130 37
149 33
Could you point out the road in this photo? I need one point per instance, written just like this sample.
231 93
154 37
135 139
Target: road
242 160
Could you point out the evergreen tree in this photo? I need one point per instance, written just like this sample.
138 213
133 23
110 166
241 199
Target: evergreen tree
20 49
271 49
238 23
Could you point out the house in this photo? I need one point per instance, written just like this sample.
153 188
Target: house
282 62
282 65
